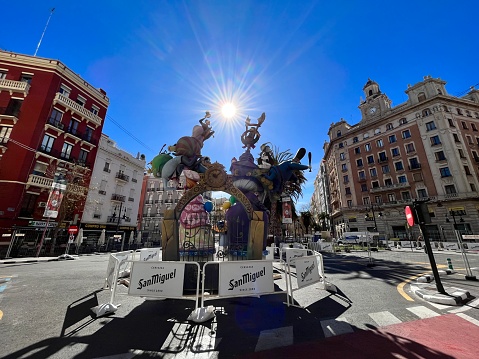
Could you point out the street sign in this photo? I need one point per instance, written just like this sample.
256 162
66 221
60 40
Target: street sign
71 238
409 216
72 229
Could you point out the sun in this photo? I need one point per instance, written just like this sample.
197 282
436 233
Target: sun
228 110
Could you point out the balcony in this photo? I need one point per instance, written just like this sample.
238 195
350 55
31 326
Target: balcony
57 125
8 114
113 219
134 180
131 199
122 177
117 197
106 169
383 159
416 166
39 181
14 86
102 192
390 187
74 107
362 179
96 215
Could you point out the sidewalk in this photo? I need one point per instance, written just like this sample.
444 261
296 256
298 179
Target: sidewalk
44 259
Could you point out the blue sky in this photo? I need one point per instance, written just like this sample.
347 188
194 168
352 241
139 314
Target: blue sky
304 63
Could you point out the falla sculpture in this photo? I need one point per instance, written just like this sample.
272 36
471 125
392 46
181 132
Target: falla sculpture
258 180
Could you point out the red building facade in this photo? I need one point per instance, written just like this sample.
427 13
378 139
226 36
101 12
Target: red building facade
50 124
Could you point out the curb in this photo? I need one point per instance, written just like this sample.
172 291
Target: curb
28 261
454 297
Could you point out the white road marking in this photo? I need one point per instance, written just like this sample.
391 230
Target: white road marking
335 327
473 304
384 318
468 318
439 306
423 312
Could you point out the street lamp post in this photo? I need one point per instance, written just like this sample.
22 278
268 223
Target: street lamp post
469 274
366 217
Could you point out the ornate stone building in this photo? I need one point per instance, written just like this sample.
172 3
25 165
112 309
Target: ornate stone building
424 148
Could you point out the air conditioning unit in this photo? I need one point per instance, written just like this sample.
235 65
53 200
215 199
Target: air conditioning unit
42 204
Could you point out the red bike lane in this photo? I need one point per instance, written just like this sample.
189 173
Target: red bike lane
446 336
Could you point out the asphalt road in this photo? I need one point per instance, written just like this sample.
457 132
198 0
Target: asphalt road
45 311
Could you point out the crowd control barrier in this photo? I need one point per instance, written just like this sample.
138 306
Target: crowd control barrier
242 279
309 270
118 267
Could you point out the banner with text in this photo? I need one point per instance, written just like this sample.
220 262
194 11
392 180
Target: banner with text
157 279
54 200
245 278
307 271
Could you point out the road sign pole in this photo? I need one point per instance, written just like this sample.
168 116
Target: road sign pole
432 261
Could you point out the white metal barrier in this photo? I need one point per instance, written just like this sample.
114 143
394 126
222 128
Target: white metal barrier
309 270
242 279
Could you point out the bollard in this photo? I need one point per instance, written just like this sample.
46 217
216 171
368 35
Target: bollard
449 263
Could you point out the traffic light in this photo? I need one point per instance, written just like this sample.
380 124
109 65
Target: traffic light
421 213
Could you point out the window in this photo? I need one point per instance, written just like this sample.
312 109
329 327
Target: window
364 187
3 75
417 177
377 131
133 177
81 100
355 140
467 170
464 125
106 168
373 172
421 97
370 159
414 163
13 107
5 134
83 156
65 90
473 126
26 78
342 156
388 182
94 110
422 193
445 108
73 126
451 122
348 190
440 156
456 137
375 184
398 166
459 111
385 169
66 151
389 127
406 134
392 138
391 197
55 118
359 162
362 175
473 187
380 143
357 150
469 140
450 189
426 112
47 143
435 140
461 153
338 133
410 148
445 172
346 179
350 203
40 169
477 140
344 167
367 147
395 152
430 126
402 121
406 196
366 135
341 145
382 156
88 133
402 179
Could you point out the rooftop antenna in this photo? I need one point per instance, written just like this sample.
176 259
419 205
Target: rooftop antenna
44 30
